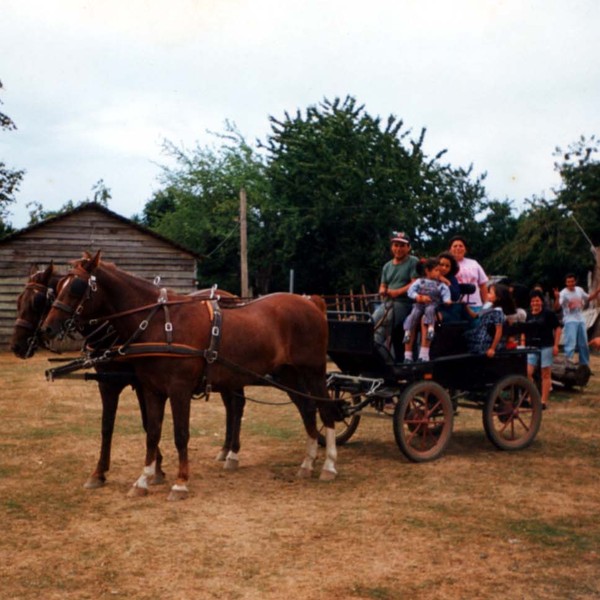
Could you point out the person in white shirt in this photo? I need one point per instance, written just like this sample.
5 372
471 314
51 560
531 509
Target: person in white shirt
572 300
469 271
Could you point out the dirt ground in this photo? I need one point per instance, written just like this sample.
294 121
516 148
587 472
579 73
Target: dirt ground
476 523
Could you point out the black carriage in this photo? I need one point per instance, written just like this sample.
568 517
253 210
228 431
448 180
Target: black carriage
422 397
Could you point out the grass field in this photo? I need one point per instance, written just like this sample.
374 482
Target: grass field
476 523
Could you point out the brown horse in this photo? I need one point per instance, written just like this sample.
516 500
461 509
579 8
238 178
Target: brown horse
177 346
33 305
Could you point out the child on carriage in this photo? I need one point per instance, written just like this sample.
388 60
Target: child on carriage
428 293
485 334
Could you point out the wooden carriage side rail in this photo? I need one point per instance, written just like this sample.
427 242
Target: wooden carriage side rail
351 303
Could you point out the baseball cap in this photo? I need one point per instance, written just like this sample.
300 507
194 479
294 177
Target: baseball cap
400 236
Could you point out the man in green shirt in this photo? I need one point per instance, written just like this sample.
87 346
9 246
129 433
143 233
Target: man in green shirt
396 277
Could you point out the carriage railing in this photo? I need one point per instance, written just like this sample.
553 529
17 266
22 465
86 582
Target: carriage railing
349 315
352 303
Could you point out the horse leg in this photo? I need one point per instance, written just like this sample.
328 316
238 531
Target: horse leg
234 401
155 412
227 403
308 464
292 379
180 409
329 471
318 389
158 478
311 382
109 393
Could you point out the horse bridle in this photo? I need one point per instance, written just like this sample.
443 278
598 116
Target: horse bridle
81 289
44 299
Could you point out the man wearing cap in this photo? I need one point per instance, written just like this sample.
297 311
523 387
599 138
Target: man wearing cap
396 277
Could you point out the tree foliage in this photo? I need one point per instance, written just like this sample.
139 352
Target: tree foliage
325 190
344 180
37 213
199 206
555 236
10 179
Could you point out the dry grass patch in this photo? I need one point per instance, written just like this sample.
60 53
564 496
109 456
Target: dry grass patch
477 523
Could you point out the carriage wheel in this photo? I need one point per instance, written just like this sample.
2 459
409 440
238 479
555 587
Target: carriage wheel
345 428
512 414
423 421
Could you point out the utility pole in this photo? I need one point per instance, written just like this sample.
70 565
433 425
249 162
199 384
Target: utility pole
244 244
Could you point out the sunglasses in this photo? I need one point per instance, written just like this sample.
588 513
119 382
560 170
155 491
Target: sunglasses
401 244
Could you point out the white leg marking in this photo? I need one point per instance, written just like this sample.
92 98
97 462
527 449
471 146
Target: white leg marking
232 455
179 487
311 454
232 462
147 473
331 451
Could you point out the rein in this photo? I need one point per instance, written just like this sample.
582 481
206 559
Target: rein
131 349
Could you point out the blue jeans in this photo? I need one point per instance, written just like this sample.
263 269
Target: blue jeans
575 337
389 315
545 357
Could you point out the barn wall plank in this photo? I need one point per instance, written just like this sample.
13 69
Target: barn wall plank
91 229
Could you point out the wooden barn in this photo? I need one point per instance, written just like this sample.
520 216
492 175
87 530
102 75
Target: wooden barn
90 227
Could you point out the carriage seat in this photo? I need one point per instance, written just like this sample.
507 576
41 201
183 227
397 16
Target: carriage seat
454 320
352 345
449 338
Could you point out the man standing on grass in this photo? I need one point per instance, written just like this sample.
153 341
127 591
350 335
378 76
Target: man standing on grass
572 300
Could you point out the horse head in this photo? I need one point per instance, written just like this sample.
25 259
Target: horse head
74 299
33 305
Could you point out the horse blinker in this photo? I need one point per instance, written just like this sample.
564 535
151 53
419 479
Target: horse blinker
78 287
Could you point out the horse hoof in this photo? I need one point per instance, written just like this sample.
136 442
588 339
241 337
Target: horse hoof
327 475
304 473
157 479
175 495
231 464
222 456
93 483
137 492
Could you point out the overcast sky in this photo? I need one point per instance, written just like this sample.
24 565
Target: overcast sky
96 86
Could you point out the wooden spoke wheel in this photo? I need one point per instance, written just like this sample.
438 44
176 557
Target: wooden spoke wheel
344 428
423 421
512 414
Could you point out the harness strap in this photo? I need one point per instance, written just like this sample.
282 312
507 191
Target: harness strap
211 354
141 328
132 311
149 349
64 307
25 324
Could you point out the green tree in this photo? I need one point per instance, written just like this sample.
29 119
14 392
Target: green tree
549 240
101 193
10 179
199 208
492 232
37 213
579 193
343 180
